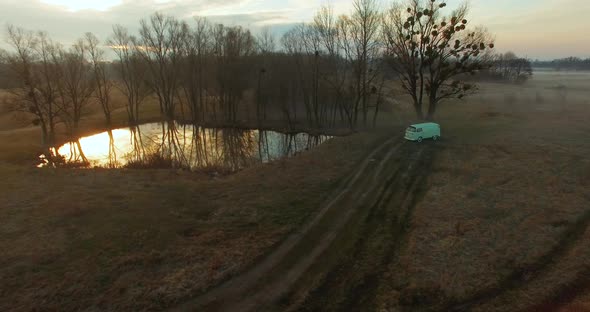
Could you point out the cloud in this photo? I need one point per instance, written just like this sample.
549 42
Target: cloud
66 25
537 28
253 19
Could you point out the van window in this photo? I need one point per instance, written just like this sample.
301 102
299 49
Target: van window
419 129
411 129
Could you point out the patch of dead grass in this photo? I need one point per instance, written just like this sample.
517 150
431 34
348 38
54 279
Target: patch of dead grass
145 239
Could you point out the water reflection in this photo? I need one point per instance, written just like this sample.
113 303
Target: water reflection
172 145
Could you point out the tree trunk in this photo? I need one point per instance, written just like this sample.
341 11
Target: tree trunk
418 109
431 109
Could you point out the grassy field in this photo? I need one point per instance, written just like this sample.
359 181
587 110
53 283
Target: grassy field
74 239
145 239
503 225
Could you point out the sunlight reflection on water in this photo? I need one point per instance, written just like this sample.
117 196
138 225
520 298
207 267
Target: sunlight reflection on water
172 145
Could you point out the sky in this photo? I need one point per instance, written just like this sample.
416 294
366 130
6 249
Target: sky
538 29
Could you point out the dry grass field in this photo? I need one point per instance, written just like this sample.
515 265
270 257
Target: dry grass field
145 239
503 225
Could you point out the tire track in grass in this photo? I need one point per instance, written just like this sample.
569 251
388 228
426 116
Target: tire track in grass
523 275
352 285
363 297
337 278
267 280
566 295
319 240
377 189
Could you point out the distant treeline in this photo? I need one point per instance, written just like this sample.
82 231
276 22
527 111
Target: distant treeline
507 67
568 63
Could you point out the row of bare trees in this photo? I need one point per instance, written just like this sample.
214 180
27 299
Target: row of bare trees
204 68
509 67
56 84
333 71
568 63
337 64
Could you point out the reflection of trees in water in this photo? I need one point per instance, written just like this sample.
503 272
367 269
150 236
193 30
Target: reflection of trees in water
137 152
238 147
51 158
228 149
75 158
153 149
112 157
72 154
273 145
263 146
189 146
171 145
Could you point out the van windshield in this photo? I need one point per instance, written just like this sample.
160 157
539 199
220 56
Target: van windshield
411 129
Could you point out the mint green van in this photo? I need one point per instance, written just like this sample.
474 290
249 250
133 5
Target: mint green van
419 132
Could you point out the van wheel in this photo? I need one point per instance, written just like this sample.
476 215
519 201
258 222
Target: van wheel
419 139
435 138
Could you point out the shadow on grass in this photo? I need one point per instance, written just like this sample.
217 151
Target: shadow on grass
528 272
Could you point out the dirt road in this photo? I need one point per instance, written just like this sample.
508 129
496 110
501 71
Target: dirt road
370 207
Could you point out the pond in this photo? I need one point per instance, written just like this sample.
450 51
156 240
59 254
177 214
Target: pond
174 145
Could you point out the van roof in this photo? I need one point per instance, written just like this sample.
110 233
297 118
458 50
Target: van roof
426 124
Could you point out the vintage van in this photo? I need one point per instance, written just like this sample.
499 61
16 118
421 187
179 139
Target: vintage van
419 132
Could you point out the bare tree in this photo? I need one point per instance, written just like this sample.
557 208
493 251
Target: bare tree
32 64
103 84
322 77
232 47
431 52
196 49
161 39
307 41
132 71
509 67
265 41
336 69
365 30
76 86
293 92
345 67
